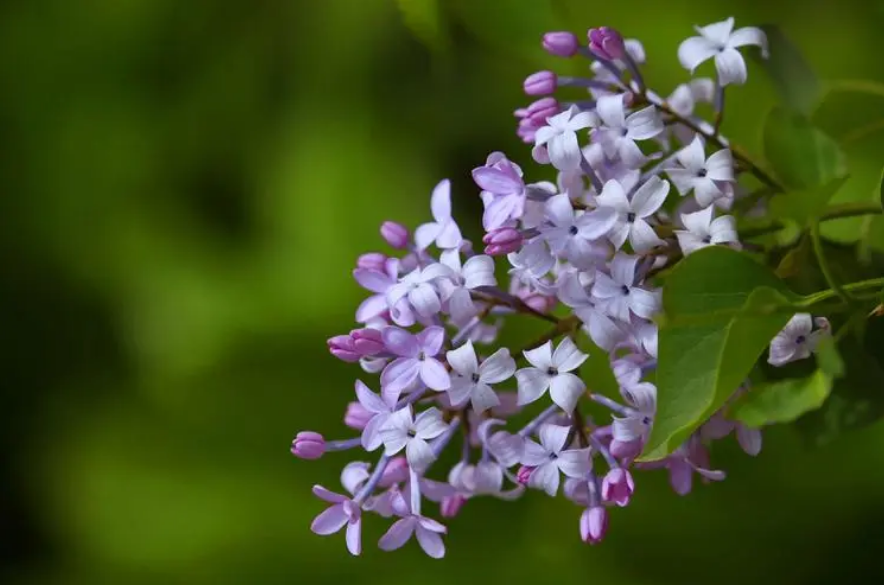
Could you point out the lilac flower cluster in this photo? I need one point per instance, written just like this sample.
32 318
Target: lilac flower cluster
589 245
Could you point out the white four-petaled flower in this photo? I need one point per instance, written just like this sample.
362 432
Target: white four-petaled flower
631 214
444 231
576 235
550 457
472 380
620 132
704 231
709 178
403 431
721 41
619 293
560 137
797 340
551 370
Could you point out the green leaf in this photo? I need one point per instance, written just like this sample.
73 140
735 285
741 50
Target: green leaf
828 358
425 20
782 401
721 309
789 72
805 205
802 156
881 189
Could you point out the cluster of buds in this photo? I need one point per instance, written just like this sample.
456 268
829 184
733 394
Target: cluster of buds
582 254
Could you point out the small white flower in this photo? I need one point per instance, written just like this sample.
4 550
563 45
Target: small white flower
418 289
797 340
456 280
576 235
631 214
619 133
371 435
444 231
552 370
704 231
636 425
472 381
603 331
720 41
532 262
709 178
549 458
560 137
403 431
620 296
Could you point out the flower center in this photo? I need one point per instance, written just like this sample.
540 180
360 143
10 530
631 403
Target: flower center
475 377
646 421
573 230
630 217
707 240
624 290
702 173
800 339
551 371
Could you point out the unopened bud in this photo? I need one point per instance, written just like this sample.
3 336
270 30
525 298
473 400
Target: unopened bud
561 44
540 83
395 234
606 43
502 241
308 445
372 261
593 524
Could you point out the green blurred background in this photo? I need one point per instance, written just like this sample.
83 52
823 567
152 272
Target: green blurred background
185 188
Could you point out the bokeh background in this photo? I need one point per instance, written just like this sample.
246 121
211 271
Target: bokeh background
185 187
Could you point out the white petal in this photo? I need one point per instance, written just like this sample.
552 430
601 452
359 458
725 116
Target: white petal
498 367
565 390
463 359
683 179
429 424
604 332
614 196
692 156
425 300
629 152
460 390
643 303
720 166
532 383
479 271
564 151
426 234
506 448
440 201
619 233
371 437
681 101
559 211
534 454
596 224
694 51
689 242
642 237
369 400
582 120
540 357
610 110
699 221
623 269
483 398
419 454
449 236
723 230
650 196
553 437
718 32
571 292
575 463
545 477
567 357
749 35
731 67
706 191
644 124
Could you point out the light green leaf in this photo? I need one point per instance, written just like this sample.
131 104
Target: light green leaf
828 358
782 401
805 205
721 309
425 20
789 72
802 156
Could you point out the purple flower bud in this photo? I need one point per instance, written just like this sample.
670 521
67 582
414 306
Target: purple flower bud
542 109
540 83
367 342
308 445
540 303
606 43
395 472
357 416
593 524
524 474
395 234
617 487
372 261
561 44
451 505
343 348
502 241
626 449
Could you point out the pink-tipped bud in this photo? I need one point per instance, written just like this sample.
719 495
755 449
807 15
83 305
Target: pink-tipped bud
502 241
542 109
343 348
606 43
357 416
372 261
561 44
617 487
395 472
593 524
540 83
308 445
451 505
524 474
395 234
367 342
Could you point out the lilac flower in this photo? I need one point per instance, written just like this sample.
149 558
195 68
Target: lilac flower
342 512
455 281
561 44
709 178
797 340
443 231
704 231
380 283
631 214
636 425
308 445
402 431
718 427
532 262
503 240
417 289
472 381
620 295
395 234
560 137
606 43
691 457
425 530
618 486
593 524
549 458
502 180
551 370
575 236
603 331
380 411
416 361
720 41
484 478
620 132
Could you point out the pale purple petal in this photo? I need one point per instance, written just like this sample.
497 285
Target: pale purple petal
354 537
718 32
449 236
498 367
368 399
613 195
627 429
605 287
565 390
553 437
429 424
532 383
644 303
644 124
545 477
460 390
595 224
575 463
371 437
540 357
479 271
748 35
582 120
331 520
650 196
603 331
623 269
699 221
731 67
430 340
723 230
483 397
400 342
426 234
610 110
749 439
371 308
328 495
693 156
642 237
397 376
706 191
533 454
463 359
497 181
567 357
434 374
564 151
693 51
720 166
398 534
683 180
680 477
419 454
431 542
440 201
373 280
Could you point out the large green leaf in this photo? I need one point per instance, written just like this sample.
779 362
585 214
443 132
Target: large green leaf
788 70
721 309
782 401
803 156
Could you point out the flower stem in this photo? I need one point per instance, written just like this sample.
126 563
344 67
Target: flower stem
825 268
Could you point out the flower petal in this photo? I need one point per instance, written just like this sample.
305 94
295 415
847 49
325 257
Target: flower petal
419 454
545 477
644 124
650 196
497 181
426 234
463 359
368 399
328 495
400 342
397 376
567 357
434 374
644 303
642 237
449 236
398 534
440 201
483 398
431 542
540 357
693 51
575 463
720 166
565 390
331 520
497 367
354 537
731 67
610 110
532 383
430 340
749 35
564 151
429 424
479 271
